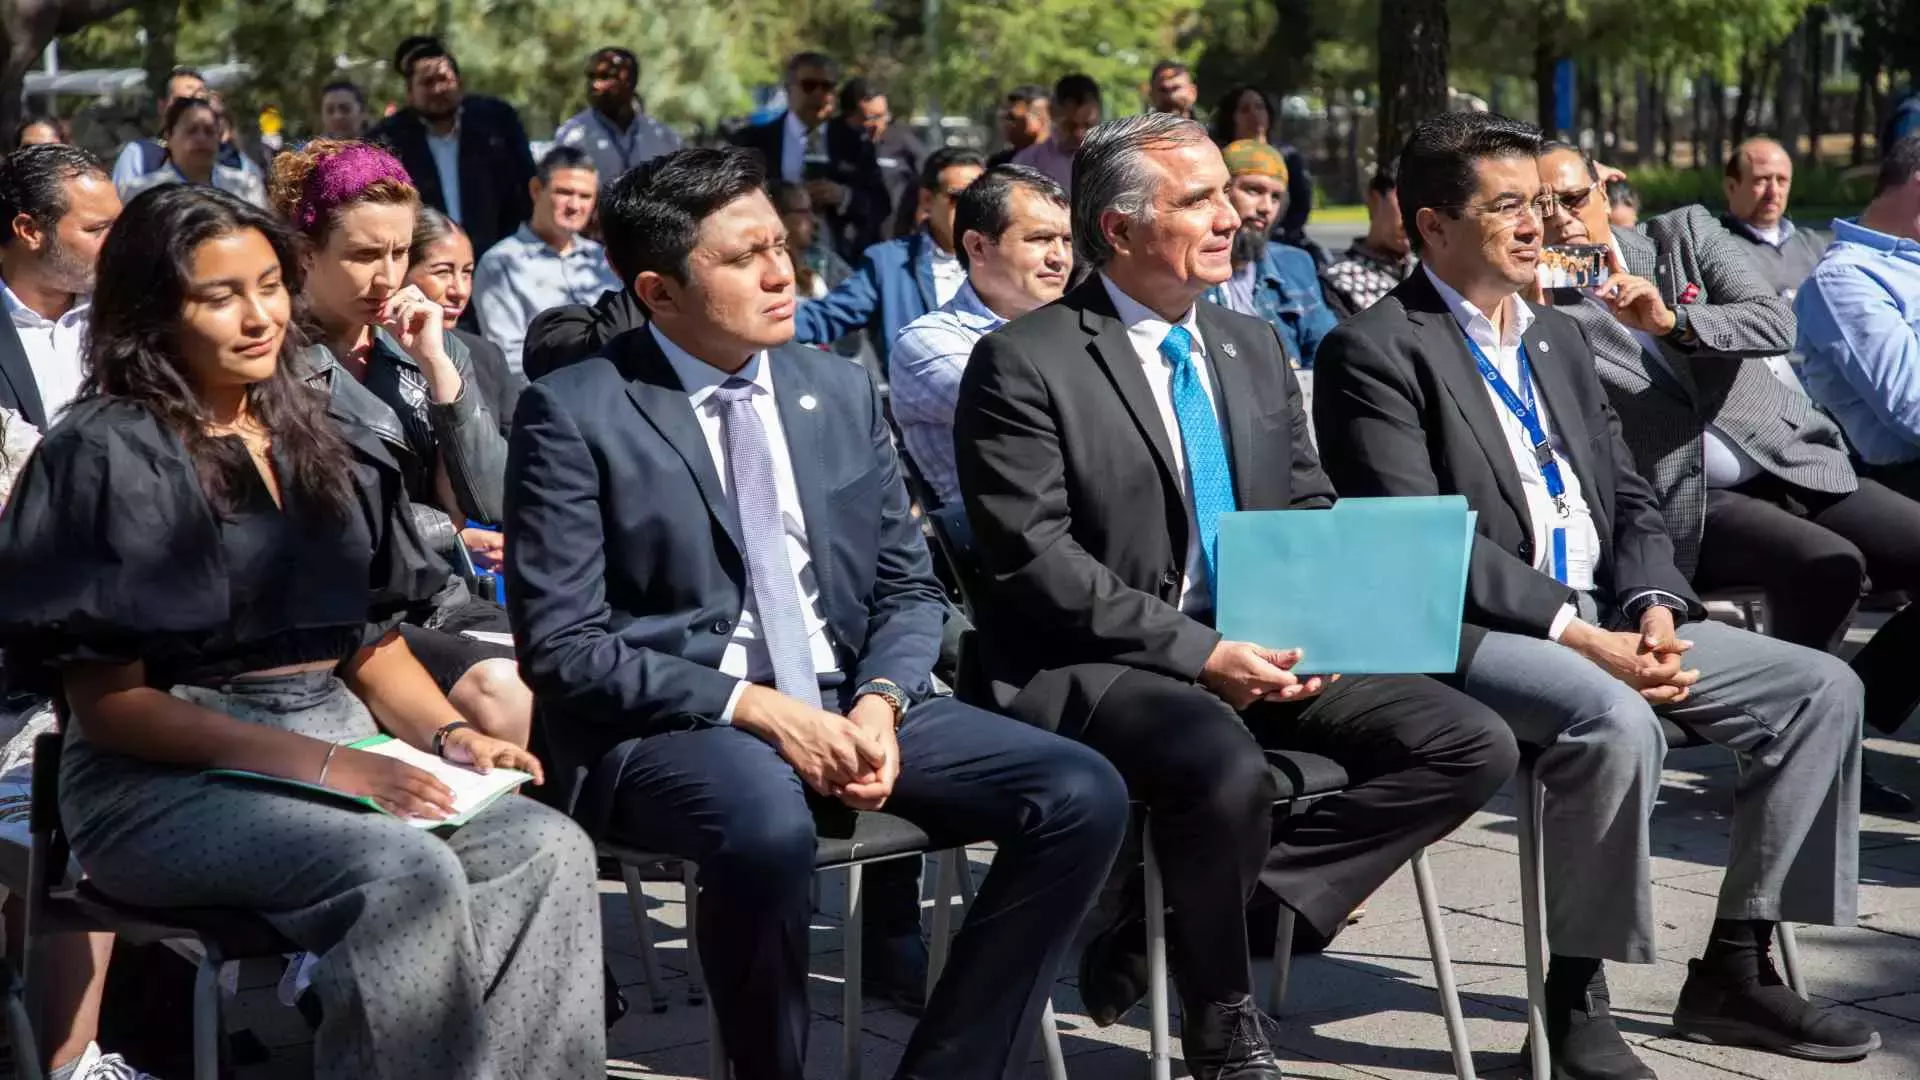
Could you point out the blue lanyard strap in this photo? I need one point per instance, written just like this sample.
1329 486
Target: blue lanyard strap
1528 413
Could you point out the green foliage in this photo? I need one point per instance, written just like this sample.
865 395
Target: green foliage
1828 188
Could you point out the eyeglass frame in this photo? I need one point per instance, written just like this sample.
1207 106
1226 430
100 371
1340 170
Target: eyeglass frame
1544 206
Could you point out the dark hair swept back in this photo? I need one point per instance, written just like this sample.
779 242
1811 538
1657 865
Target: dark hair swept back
133 349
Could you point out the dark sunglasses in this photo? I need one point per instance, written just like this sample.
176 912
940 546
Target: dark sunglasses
817 86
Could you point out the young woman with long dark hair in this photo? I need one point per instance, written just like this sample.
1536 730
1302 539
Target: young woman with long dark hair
209 565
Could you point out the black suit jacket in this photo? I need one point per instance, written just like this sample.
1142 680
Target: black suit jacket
852 163
625 572
495 166
1400 409
19 390
1067 473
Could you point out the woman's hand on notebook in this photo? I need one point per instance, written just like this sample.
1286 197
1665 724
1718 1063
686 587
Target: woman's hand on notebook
484 753
398 788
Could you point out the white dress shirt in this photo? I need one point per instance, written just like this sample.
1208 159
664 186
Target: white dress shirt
746 656
1146 330
948 275
1503 351
446 161
53 348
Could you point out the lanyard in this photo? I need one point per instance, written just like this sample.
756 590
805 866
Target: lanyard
1528 413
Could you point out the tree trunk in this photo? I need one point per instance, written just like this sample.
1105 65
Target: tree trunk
1546 89
1748 76
1863 97
1716 125
1586 113
1697 128
1413 68
1615 125
26 26
1644 118
161 21
1790 96
1663 108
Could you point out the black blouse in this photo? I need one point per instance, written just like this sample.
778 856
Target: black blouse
110 551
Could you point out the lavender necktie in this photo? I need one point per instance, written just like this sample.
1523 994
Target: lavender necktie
776 592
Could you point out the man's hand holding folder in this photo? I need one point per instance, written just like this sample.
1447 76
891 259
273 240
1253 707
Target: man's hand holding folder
1241 673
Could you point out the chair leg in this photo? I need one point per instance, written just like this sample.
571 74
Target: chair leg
206 1019
20 1034
696 979
943 886
1533 932
1442 967
1282 961
643 934
1159 1031
852 1003
966 879
1790 958
1050 1043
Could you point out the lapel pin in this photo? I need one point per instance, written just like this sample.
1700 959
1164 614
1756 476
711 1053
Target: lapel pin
1227 347
808 401
1544 347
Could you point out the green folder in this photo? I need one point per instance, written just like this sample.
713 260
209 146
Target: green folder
473 791
1372 586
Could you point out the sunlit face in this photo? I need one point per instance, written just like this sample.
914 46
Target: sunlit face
796 214
1384 224
810 94
1186 243
873 116
433 87
1497 233
183 86
1258 200
235 313
738 297
940 203
1250 117
1758 196
1028 264
71 253
1172 91
1023 123
610 84
1582 215
194 138
39 134
341 115
445 274
361 265
565 201
1070 127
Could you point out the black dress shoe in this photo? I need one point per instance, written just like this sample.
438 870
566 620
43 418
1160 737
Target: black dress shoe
893 969
1878 798
1722 1005
1225 1041
1582 1041
1113 970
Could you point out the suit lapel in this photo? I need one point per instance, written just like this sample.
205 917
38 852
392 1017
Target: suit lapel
657 392
1556 394
1234 388
1114 350
18 373
804 421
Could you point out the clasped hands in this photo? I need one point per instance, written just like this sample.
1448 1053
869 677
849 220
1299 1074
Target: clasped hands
1649 661
854 758
1241 673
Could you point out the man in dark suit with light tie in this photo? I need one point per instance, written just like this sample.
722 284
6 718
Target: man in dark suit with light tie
1581 630
1098 441
727 610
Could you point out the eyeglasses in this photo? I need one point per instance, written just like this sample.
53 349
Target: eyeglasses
817 86
1575 201
1513 210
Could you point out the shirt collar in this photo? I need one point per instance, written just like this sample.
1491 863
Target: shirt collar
796 129
1849 230
580 246
1747 230
1143 325
972 311
1472 319
22 315
700 379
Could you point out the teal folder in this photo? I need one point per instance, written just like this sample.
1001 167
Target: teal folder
1372 586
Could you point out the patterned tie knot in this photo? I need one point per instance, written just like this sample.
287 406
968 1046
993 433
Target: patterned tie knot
733 391
1177 347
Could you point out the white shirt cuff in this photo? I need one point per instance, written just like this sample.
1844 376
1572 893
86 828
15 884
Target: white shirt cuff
1561 621
733 699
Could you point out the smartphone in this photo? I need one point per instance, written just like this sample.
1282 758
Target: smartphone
1572 266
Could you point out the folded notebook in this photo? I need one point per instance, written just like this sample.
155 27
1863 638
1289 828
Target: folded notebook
473 791
1372 586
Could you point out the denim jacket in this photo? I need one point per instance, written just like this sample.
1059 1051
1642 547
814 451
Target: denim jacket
1286 294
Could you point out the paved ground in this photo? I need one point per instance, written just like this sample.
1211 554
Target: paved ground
1367 1008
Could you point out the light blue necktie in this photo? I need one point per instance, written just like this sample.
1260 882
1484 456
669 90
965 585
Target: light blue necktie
1209 473
776 592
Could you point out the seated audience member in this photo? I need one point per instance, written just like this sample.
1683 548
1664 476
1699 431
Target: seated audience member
440 264
1170 89
1581 631
1759 179
902 279
1074 109
387 364
1024 120
57 204
1246 112
1272 282
257 654
1752 480
1094 489
547 262
817 271
1012 234
142 156
729 612
39 131
1375 263
1859 323
1623 205
613 129
191 130
343 110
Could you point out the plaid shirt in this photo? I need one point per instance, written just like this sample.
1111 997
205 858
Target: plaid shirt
923 383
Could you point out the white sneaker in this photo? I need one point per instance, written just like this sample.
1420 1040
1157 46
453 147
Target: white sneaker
94 1065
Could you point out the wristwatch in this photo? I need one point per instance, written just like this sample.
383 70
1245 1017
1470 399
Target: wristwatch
440 736
890 690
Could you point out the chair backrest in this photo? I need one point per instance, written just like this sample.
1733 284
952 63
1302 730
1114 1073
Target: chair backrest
47 861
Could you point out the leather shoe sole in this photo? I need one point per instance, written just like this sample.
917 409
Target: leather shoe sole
1721 1031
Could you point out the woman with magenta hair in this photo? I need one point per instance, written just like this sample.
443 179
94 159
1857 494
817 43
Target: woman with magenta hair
209 566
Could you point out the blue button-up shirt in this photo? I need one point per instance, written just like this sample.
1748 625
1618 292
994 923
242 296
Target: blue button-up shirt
521 276
923 377
1859 318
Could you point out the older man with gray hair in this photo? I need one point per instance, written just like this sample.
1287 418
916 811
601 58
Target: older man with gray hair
1099 439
